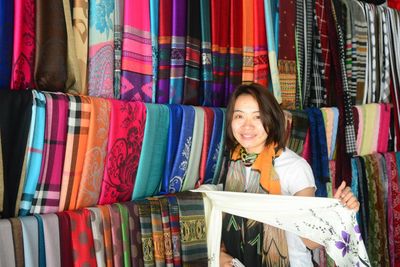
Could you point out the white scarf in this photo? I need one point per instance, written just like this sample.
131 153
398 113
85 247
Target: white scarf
322 220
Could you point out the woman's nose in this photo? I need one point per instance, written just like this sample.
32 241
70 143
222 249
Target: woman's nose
248 123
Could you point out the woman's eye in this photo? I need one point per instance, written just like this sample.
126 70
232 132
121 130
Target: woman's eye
258 117
237 116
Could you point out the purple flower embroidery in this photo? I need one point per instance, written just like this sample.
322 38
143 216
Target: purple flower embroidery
344 246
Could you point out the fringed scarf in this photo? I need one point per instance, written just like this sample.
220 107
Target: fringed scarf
253 243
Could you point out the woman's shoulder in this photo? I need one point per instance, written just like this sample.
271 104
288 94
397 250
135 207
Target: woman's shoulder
289 157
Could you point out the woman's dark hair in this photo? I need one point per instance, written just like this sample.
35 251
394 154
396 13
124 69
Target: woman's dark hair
272 116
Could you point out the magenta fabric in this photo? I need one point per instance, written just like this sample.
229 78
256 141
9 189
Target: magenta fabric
23 61
124 147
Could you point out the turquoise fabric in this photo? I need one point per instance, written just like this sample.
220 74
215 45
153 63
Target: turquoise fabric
34 162
152 157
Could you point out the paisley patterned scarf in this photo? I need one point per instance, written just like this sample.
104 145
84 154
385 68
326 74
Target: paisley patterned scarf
254 243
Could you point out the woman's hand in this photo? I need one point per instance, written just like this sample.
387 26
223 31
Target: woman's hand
225 260
346 197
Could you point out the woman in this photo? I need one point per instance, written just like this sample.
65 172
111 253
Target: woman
260 163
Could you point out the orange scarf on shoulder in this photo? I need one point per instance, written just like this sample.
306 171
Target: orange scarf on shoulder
269 179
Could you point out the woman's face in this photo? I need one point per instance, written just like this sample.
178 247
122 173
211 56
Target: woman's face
247 126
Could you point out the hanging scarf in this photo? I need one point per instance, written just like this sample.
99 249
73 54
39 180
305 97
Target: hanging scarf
235 48
51 239
6 43
93 165
116 235
51 49
248 41
175 229
7 256
164 46
179 12
80 21
47 195
82 238
66 257
250 235
15 118
42 249
213 149
206 59
108 243
126 249
146 232
193 225
219 44
24 45
135 236
261 67
154 25
192 173
118 30
191 88
179 169
123 152
30 238
101 48
157 231
136 80
169 260
208 128
152 157
73 83
77 137
98 235
18 242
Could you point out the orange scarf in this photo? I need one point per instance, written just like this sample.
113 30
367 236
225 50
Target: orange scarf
269 179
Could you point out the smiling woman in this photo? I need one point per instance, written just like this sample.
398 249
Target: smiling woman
260 163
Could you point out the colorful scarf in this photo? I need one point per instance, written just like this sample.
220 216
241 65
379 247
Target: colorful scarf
6 44
235 57
175 229
208 129
191 87
98 235
101 48
24 45
47 195
118 30
73 82
157 232
126 244
261 67
30 238
164 49
7 256
107 234
247 247
116 235
82 238
193 228
134 234
77 137
169 260
136 80
18 241
66 257
80 21
152 157
248 41
146 231
124 147
93 164
219 43
206 77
